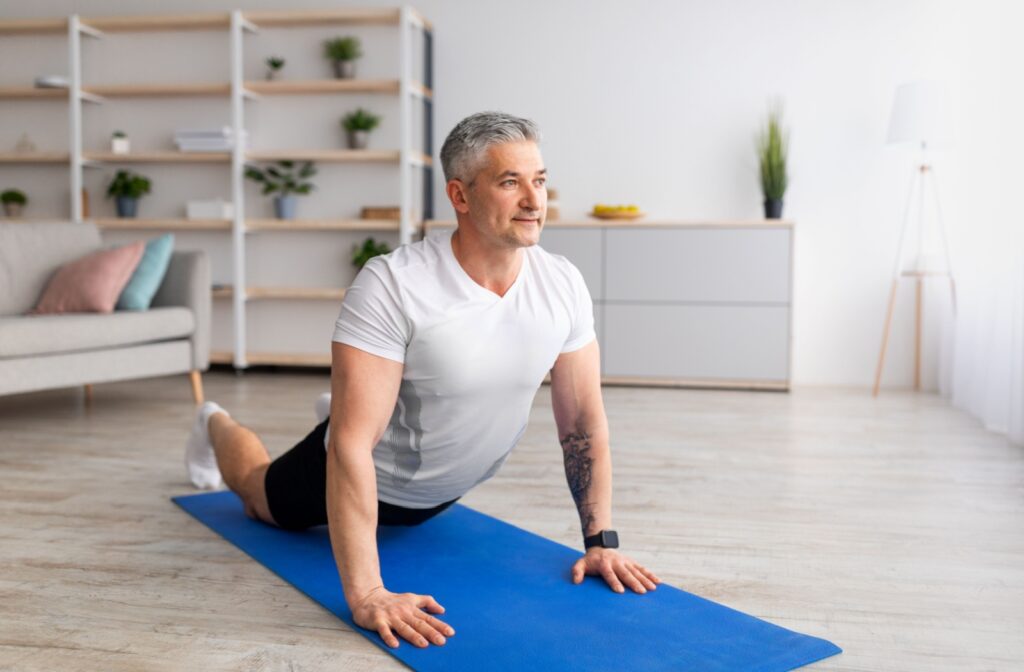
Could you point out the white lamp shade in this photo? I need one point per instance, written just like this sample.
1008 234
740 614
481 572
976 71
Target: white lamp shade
916 114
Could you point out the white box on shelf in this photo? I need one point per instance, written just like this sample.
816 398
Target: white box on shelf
209 209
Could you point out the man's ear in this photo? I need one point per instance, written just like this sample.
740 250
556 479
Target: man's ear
458 194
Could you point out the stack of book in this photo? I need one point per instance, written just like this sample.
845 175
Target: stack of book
205 139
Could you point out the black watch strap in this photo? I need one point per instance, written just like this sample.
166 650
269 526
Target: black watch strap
604 539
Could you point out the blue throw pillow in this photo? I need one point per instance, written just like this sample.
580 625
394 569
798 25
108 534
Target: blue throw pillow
142 286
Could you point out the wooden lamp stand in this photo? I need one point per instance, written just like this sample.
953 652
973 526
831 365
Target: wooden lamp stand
923 176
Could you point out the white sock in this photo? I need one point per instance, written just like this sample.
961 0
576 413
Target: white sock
200 461
322 407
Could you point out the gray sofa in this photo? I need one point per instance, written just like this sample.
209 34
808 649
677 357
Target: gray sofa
40 352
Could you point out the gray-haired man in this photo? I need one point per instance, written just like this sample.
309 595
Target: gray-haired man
438 352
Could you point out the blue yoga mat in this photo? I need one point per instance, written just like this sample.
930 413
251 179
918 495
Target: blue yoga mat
509 596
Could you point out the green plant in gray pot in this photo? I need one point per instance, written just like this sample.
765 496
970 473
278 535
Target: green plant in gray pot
126 189
358 125
772 152
368 250
343 52
286 179
13 200
274 65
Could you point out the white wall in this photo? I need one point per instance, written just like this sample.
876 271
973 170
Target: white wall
656 103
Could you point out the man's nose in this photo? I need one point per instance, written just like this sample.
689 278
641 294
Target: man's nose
531 199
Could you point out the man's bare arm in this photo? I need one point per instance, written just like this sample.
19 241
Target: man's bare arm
364 389
583 433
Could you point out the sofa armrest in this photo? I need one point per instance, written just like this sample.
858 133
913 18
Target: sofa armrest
187 283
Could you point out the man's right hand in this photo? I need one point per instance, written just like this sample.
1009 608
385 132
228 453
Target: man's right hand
402 613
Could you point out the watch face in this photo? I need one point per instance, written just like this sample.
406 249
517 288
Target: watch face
610 539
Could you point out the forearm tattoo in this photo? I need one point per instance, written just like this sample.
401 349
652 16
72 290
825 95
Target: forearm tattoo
578 470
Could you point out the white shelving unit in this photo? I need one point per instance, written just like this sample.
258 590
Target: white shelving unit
407 158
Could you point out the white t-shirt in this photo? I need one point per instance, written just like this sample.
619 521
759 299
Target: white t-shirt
473 360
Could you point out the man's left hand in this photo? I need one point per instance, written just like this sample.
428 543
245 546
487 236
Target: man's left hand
616 569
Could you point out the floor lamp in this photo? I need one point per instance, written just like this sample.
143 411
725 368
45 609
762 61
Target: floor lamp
915 119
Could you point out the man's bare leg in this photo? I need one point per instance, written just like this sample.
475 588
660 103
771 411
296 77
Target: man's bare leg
243 461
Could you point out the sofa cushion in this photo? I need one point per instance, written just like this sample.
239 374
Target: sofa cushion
138 293
30 252
92 283
72 332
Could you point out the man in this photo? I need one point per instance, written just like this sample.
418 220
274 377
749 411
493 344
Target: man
438 352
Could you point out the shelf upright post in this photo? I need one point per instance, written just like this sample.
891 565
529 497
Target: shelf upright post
75 106
238 191
428 122
405 25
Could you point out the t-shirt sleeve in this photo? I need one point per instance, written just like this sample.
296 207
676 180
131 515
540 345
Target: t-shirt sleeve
371 316
581 332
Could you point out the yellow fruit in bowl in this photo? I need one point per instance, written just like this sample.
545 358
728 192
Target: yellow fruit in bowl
604 209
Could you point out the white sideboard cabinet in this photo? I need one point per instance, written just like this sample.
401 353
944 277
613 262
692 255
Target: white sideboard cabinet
702 304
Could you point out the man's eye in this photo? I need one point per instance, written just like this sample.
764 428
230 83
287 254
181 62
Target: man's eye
508 182
541 183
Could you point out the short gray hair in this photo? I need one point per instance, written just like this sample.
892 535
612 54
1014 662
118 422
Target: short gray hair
465 145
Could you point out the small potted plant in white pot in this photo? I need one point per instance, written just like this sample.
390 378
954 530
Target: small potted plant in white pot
358 125
119 143
772 151
13 200
274 65
343 52
286 179
126 189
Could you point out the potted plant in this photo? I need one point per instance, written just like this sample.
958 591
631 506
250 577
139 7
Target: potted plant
119 143
274 64
772 150
286 179
343 52
14 200
368 250
127 188
358 125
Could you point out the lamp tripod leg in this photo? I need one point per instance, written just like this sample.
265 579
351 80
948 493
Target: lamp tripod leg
885 337
917 335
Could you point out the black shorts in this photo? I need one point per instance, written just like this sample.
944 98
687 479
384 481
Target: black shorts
296 486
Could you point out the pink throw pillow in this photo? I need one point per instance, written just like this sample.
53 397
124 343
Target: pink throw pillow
92 283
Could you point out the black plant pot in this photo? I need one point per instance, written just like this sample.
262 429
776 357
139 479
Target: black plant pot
773 208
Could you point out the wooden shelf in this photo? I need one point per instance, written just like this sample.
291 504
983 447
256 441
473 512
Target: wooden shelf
216 21
251 225
640 223
221 357
273 358
35 157
321 225
158 90
32 220
166 224
327 155
319 17
284 293
32 93
158 157
33 26
123 24
263 88
313 86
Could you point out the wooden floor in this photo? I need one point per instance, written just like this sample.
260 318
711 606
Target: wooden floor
893 527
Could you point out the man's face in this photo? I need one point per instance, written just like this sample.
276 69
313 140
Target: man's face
508 199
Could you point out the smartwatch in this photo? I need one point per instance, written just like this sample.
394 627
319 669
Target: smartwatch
604 539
